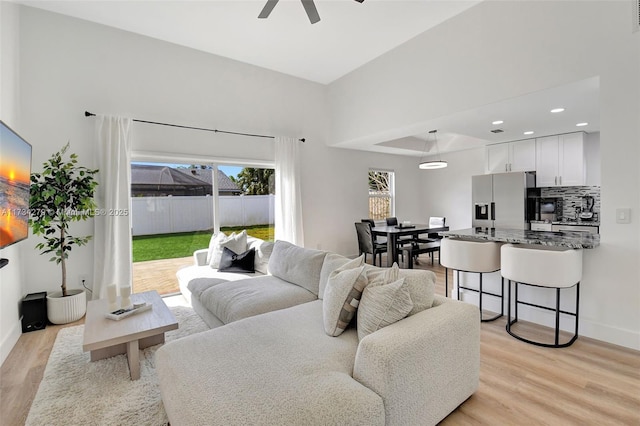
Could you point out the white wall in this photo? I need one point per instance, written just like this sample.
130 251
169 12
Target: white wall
11 276
69 66
499 50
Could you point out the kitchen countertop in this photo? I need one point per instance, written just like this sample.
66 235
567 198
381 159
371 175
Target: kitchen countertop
570 222
569 239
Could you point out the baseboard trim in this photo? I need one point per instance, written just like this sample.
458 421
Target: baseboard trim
10 340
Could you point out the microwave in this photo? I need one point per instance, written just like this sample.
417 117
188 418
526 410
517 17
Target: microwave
549 209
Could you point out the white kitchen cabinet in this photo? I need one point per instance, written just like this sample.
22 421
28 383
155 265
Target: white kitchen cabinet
560 160
519 156
575 228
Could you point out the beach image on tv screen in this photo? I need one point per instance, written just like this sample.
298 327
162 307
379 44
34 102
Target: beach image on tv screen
15 168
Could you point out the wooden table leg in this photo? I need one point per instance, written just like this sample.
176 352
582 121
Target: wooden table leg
133 357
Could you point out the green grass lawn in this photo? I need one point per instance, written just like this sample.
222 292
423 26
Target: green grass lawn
170 246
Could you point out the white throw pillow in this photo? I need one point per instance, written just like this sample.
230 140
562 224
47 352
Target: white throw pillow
263 253
237 243
214 242
381 276
382 305
342 296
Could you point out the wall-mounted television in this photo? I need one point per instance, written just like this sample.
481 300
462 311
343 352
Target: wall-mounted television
15 172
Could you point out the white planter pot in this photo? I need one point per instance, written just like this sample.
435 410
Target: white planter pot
63 310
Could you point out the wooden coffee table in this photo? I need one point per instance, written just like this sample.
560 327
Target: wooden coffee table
106 338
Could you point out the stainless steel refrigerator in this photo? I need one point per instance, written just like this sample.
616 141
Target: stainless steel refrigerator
501 200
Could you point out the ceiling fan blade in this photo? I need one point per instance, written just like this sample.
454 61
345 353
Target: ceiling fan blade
266 11
359 1
311 10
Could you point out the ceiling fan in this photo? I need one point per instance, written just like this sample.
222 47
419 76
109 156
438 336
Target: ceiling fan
308 5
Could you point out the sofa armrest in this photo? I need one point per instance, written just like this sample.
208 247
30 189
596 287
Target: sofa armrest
424 366
200 257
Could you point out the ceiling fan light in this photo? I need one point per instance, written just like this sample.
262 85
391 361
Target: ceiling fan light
430 165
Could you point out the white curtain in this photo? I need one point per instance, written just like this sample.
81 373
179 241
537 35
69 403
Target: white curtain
288 202
112 233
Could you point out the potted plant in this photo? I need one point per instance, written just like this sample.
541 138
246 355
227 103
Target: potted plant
62 194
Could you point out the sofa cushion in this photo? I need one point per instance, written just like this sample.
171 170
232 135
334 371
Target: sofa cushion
263 253
342 296
297 265
382 305
237 262
234 242
279 368
235 300
198 285
331 262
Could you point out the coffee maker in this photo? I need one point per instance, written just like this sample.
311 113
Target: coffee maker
586 212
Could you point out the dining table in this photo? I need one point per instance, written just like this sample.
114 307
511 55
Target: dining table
393 232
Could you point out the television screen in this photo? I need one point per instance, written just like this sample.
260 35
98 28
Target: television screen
15 171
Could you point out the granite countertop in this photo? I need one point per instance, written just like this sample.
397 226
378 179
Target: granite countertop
569 239
570 222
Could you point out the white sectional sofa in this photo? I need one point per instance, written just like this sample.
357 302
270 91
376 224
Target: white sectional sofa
268 359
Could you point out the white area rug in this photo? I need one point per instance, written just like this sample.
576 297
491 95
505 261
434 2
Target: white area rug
75 391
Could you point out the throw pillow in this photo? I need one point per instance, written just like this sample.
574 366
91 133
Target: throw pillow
263 253
234 242
382 305
233 262
214 242
342 296
380 276
421 285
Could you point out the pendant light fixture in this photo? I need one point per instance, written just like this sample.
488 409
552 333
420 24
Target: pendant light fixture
435 164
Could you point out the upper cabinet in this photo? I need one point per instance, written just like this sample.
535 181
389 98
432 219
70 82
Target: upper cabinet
519 156
560 160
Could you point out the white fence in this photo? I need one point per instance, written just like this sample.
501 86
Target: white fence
167 215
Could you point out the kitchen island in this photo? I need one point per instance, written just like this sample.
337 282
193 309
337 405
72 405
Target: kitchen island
570 239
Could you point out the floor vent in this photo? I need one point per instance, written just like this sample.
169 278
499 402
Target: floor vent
500 130
636 16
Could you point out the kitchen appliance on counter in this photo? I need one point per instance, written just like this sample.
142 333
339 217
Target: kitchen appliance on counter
502 200
548 209
587 208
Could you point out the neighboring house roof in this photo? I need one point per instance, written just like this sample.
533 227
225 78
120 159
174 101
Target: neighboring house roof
225 185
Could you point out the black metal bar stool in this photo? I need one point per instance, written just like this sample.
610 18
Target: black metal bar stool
472 256
542 266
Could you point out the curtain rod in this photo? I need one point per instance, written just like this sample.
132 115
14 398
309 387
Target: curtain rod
90 114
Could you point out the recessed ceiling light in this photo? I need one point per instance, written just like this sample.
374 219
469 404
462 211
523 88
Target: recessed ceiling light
528 132
497 122
582 124
557 110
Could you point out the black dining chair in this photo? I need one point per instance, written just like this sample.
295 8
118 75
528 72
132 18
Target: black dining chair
366 243
403 240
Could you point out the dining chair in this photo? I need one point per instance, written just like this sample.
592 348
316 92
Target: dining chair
402 240
378 239
366 243
431 244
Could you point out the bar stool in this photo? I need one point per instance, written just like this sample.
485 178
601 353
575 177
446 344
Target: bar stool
542 266
472 256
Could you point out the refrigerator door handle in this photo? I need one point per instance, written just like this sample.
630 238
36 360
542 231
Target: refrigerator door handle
493 210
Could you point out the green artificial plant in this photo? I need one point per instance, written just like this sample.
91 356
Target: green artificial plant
61 194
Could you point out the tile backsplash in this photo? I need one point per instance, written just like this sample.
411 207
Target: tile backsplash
572 197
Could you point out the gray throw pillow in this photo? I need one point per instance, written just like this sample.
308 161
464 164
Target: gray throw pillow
342 296
382 305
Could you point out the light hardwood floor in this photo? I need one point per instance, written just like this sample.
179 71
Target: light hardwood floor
589 383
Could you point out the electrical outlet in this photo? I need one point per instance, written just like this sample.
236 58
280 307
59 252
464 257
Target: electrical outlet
83 281
623 215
